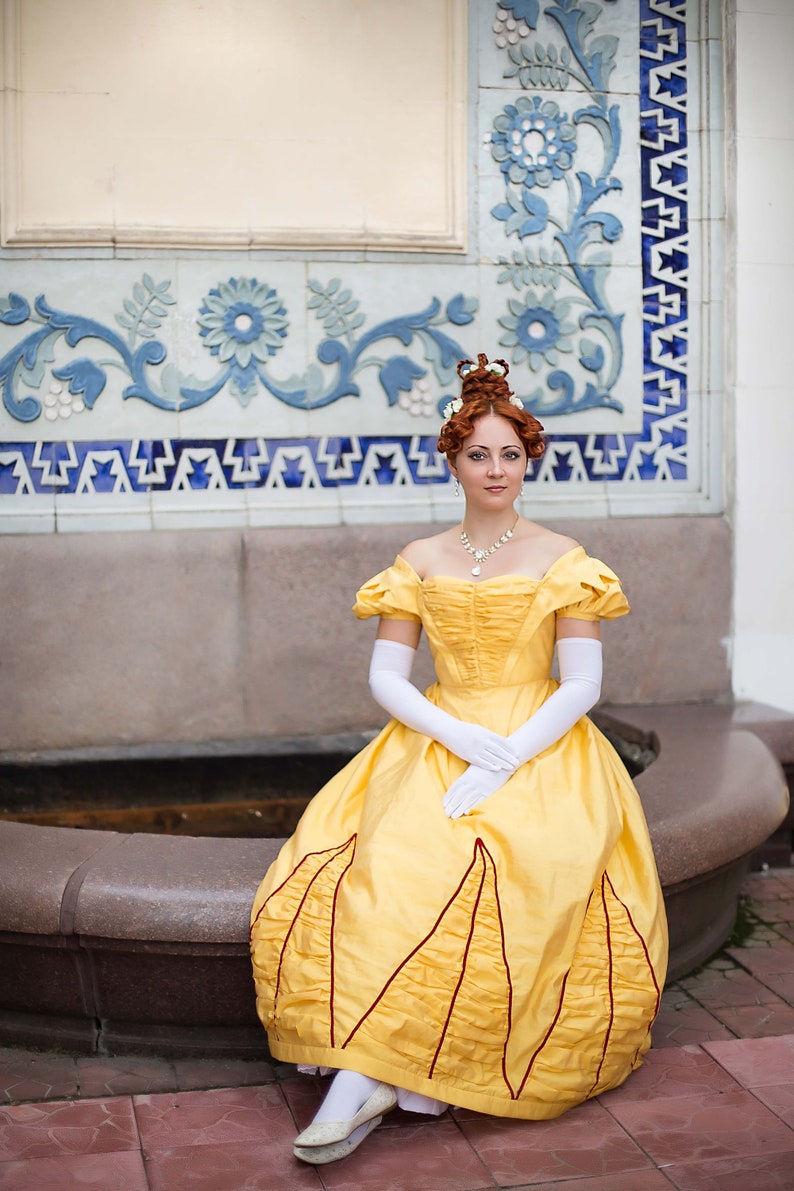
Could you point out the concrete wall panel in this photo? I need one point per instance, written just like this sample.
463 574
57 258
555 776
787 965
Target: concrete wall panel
223 635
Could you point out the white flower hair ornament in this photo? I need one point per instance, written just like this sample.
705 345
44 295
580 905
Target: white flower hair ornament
453 407
456 405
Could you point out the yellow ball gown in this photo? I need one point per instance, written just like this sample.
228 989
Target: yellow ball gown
509 961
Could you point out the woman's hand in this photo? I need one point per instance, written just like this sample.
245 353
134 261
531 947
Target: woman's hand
471 788
479 746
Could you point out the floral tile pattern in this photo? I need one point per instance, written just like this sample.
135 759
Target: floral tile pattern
582 275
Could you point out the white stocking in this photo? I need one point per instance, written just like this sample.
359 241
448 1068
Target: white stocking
407 1101
344 1098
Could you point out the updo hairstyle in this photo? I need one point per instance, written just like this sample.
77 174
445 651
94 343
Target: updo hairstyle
485 392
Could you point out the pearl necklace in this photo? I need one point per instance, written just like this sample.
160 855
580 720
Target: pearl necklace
480 556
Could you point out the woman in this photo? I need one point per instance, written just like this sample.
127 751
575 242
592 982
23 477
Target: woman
469 913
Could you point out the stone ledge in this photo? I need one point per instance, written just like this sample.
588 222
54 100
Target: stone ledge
186 888
695 794
37 867
772 725
157 926
715 793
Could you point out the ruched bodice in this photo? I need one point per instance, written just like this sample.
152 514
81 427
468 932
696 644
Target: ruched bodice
494 632
480 634
469 960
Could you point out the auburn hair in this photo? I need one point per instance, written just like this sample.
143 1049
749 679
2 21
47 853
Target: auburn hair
485 392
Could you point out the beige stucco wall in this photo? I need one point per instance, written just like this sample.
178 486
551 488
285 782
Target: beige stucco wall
761 285
107 98
144 638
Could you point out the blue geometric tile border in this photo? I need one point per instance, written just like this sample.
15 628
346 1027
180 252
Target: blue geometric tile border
206 465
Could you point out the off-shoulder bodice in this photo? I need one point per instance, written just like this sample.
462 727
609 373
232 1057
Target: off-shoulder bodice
498 631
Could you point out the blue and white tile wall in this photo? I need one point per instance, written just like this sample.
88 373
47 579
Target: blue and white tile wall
145 390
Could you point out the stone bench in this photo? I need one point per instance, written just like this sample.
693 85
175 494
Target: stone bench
712 797
137 943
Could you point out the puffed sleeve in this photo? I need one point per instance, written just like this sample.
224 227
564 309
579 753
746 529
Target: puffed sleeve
595 593
393 593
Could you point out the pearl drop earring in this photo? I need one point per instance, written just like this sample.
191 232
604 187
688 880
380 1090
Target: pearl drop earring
457 487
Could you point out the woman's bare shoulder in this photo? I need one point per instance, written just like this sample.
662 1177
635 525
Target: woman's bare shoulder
423 553
560 544
546 545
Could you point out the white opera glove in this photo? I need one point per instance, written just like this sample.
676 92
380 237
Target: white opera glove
391 687
471 788
581 668
580 660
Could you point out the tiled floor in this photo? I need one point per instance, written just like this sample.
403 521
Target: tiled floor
712 1109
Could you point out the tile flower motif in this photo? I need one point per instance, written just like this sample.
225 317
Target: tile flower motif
59 403
242 321
419 400
537 329
512 22
533 141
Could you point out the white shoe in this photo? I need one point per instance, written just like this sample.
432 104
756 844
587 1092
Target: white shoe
320 1155
325 1133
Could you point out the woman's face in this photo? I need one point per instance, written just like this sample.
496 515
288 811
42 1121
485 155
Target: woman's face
491 464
